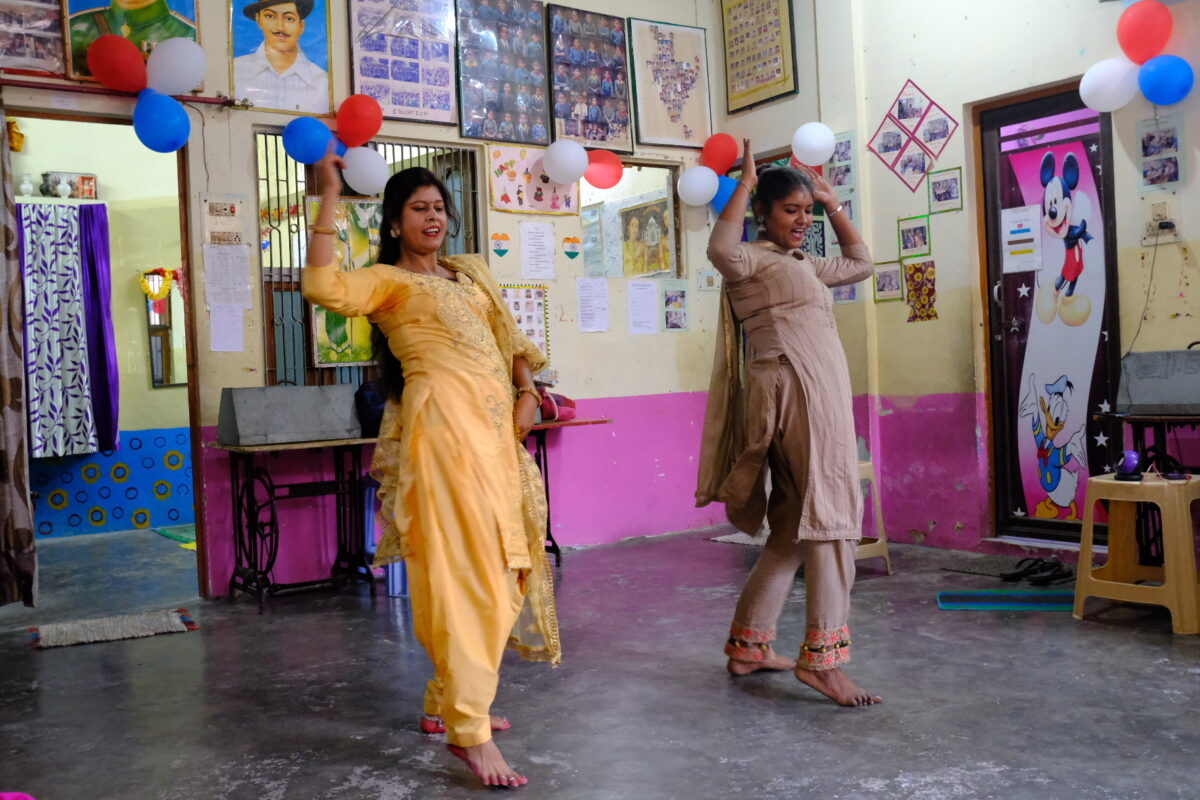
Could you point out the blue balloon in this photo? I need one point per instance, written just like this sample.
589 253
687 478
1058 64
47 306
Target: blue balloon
1165 80
725 189
341 148
306 139
160 122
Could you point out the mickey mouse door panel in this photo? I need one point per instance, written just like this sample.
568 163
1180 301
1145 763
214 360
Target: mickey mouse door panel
1054 335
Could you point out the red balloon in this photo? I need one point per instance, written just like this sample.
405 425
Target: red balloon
1144 29
604 169
359 118
117 63
719 153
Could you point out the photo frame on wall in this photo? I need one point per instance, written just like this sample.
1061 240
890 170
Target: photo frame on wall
888 282
589 79
504 91
85 21
913 235
403 56
945 190
760 52
31 37
529 303
669 64
297 34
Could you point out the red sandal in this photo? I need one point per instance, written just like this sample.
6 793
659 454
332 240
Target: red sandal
432 724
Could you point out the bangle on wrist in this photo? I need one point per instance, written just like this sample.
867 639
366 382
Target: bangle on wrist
836 210
322 229
529 390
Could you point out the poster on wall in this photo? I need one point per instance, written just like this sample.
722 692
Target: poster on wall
403 56
913 236
760 52
935 130
145 23
670 83
593 242
842 169
529 304
1161 142
517 182
888 282
503 85
279 55
639 234
31 37
339 341
1021 238
945 190
912 135
589 81
675 305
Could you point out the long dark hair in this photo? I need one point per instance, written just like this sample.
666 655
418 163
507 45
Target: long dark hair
399 188
776 183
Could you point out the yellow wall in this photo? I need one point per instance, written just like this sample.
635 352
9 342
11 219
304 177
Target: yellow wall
140 188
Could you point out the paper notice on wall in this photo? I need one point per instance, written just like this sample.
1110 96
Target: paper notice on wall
1021 238
643 306
226 334
537 251
227 275
224 218
593 305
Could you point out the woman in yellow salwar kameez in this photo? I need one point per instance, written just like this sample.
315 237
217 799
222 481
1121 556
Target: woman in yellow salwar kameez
462 502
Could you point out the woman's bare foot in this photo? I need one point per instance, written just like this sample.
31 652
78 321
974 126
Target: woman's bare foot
431 723
773 661
488 765
836 685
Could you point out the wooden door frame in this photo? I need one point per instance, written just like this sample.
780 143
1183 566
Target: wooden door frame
1112 287
189 329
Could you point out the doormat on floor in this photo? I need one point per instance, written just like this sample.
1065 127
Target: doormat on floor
1006 600
108 629
184 534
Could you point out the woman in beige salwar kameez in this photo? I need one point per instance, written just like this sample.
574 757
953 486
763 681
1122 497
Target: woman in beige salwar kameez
461 498
793 413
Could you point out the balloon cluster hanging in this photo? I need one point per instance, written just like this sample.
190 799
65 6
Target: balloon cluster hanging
359 118
176 67
1164 79
812 144
566 161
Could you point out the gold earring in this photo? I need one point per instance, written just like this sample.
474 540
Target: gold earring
395 231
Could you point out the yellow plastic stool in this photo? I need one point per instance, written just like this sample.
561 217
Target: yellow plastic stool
1119 578
874 548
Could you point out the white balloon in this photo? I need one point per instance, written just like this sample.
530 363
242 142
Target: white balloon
813 143
1109 84
698 186
176 66
565 161
366 170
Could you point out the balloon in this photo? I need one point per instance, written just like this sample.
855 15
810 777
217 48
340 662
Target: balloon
176 66
366 170
1165 80
565 161
117 63
719 153
1143 30
813 143
605 169
339 147
725 189
1109 84
698 186
160 122
359 118
306 139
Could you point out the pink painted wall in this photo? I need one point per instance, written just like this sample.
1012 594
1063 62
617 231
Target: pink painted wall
634 477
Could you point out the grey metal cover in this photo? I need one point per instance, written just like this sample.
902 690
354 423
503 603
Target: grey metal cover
282 414
1161 382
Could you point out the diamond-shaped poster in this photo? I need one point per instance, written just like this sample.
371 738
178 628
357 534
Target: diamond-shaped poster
935 129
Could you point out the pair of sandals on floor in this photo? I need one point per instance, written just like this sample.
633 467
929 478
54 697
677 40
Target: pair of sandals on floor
1039 572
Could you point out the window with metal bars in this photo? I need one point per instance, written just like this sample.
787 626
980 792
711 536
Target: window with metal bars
283 184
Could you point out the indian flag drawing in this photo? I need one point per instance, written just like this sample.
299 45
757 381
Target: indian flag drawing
500 244
572 246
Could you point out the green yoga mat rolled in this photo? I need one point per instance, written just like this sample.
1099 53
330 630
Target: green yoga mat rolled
180 533
1006 600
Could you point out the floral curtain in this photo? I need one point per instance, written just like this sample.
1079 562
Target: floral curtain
18 554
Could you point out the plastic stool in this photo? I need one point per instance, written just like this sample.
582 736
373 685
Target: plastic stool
1119 578
877 547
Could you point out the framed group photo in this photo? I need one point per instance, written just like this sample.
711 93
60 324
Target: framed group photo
31 37
155 21
760 52
913 235
670 83
503 85
589 79
403 56
279 55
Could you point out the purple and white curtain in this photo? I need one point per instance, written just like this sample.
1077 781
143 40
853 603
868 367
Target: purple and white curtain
70 359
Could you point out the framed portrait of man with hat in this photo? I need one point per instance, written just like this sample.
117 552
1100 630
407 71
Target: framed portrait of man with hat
143 22
280 55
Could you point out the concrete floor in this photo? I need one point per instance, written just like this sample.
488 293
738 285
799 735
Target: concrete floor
318 697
